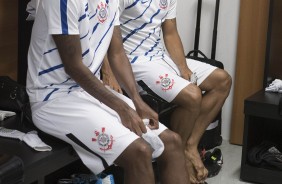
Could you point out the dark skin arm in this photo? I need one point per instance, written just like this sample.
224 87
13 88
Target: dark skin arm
70 52
108 76
122 70
174 47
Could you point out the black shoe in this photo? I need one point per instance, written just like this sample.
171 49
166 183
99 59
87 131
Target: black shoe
213 162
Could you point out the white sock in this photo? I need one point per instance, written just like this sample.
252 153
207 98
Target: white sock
32 139
5 114
10 133
154 141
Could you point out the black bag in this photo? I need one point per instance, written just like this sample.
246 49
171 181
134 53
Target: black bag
13 97
211 137
11 169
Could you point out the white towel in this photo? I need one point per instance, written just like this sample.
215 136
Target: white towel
275 86
31 138
5 114
155 142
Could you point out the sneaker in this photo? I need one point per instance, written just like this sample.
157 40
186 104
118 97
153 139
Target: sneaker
108 179
213 162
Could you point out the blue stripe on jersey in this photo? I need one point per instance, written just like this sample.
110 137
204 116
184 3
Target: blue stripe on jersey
134 59
135 30
85 35
82 17
64 20
94 28
111 24
70 88
86 52
152 48
143 41
48 96
94 14
51 50
98 69
50 69
139 15
86 7
133 4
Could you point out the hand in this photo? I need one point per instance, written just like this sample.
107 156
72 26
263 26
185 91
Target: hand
145 112
131 120
186 73
110 80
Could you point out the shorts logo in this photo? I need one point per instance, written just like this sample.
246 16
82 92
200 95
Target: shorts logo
163 4
105 141
166 82
102 12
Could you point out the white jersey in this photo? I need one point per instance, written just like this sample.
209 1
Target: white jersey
140 22
92 20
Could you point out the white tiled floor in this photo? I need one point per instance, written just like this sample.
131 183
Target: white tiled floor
230 172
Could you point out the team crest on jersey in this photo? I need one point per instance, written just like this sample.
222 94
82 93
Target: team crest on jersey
165 82
163 4
105 141
102 12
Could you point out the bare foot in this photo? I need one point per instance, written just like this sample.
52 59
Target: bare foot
191 172
200 172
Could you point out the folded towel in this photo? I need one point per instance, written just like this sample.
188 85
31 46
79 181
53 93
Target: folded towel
275 86
5 114
154 141
31 138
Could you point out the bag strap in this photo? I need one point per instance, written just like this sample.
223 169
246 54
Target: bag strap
215 25
196 52
198 27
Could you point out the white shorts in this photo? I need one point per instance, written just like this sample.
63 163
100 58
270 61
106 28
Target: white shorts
163 77
93 129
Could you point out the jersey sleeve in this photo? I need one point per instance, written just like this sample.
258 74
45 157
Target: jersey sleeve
62 16
171 14
116 21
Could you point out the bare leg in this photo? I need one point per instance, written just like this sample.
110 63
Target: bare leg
171 165
217 87
183 120
184 116
136 161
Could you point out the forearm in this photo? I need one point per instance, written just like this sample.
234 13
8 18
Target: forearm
175 49
121 67
95 87
122 70
70 52
174 45
106 69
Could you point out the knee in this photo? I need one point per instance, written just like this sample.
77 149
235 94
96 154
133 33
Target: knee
224 81
171 140
191 97
143 150
128 157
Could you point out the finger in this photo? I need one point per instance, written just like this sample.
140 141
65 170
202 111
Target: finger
153 124
138 131
143 127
